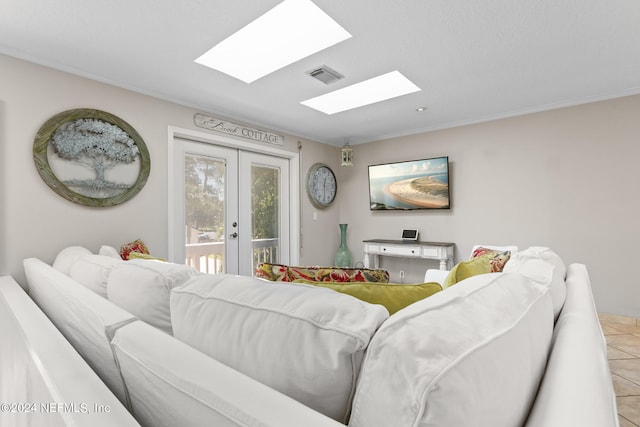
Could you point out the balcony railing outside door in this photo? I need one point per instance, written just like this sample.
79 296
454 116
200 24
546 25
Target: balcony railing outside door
208 257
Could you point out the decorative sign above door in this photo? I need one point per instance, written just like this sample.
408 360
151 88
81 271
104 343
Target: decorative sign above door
218 125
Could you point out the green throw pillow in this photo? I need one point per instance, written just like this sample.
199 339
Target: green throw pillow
393 296
140 255
466 269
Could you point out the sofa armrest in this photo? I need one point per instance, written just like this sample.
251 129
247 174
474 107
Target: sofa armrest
438 276
577 387
39 368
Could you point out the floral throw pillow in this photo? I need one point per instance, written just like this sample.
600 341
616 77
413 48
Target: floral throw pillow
497 259
273 272
135 246
336 274
284 273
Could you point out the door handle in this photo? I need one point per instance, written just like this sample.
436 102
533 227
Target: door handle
233 235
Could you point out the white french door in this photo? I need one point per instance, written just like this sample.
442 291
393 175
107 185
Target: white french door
263 210
230 207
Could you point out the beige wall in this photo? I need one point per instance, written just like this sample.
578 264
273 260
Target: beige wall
567 179
36 222
320 231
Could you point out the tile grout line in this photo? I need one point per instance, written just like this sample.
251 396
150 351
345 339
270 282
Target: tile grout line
627 420
612 327
627 379
632 355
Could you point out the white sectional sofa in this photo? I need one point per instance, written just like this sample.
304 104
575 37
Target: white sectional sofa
43 380
244 352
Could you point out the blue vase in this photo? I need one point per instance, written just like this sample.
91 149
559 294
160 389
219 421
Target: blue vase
343 257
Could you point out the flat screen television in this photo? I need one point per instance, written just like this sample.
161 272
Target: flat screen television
410 185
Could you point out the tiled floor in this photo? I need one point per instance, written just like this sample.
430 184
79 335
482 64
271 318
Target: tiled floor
623 345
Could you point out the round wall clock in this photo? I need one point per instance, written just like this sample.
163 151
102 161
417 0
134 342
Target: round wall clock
321 185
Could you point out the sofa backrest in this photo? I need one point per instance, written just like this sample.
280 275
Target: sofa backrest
545 267
92 271
577 388
473 354
172 384
143 288
139 286
304 341
85 319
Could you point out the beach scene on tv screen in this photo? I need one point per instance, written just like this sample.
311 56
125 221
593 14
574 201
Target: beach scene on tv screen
417 184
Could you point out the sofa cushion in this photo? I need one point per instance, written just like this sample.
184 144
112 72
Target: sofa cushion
466 269
544 266
142 287
109 251
171 384
304 341
472 354
393 297
93 271
67 256
85 319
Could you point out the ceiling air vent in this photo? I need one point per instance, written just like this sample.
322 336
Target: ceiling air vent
325 74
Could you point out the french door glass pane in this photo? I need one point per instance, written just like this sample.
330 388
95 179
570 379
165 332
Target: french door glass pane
265 214
204 213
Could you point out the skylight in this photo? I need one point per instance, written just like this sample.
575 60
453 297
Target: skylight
292 30
381 88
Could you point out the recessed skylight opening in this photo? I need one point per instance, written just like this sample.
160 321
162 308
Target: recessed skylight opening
292 30
381 88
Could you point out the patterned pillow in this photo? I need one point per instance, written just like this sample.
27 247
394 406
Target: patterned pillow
336 274
284 273
135 246
273 272
497 259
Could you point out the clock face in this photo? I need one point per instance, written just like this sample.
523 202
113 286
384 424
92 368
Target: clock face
321 185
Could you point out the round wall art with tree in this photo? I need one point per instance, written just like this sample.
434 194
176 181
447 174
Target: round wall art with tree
91 157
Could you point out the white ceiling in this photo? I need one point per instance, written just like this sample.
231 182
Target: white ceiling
475 60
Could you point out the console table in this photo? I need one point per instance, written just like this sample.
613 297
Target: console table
440 251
